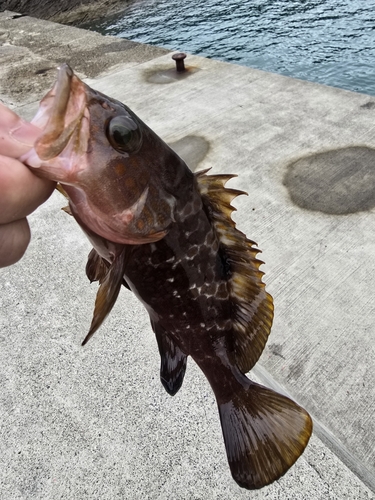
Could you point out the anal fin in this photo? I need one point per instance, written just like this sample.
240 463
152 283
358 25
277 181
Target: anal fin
264 434
172 363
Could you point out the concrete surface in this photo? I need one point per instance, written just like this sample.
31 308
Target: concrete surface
31 49
95 422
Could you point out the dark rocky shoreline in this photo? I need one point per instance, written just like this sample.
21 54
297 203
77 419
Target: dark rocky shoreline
65 11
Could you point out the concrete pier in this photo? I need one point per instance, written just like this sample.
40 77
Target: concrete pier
95 422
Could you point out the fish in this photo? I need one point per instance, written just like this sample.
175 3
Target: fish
167 234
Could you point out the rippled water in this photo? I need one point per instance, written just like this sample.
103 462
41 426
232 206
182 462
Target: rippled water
327 41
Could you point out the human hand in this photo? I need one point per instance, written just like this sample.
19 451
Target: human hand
21 192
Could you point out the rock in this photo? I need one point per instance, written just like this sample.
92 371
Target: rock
65 11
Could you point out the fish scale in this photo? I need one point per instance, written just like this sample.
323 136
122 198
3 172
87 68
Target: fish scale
170 274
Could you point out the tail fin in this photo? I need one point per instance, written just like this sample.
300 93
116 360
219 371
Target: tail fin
264 434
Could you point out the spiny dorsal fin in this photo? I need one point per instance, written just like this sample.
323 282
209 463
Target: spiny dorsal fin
253 305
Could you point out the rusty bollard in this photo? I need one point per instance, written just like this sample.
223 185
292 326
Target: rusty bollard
179 58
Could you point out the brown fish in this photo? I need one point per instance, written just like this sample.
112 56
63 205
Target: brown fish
167 235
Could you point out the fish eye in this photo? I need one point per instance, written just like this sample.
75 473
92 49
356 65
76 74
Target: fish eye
124 134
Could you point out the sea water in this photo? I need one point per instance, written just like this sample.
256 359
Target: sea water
327 41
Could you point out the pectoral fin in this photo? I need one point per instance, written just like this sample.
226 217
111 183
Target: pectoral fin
173 361
97 268
109 288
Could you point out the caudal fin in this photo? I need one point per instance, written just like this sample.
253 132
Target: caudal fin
264 434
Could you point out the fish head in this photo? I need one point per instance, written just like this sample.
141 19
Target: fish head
120 177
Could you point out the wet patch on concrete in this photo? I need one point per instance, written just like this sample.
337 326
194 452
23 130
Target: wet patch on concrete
339 182
164 75
368 105
192 149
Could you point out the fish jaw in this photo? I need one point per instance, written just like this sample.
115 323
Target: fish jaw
66 110
59 151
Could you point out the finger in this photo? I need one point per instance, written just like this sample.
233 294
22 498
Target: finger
16 135
21 192
14 239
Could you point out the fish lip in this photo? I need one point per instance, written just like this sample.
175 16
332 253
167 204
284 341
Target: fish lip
57 132
63 85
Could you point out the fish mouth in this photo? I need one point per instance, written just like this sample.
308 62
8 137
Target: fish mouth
60 114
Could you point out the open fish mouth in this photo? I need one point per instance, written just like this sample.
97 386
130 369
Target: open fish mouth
63 119
60 114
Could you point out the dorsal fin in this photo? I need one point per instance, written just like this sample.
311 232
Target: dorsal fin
253 306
